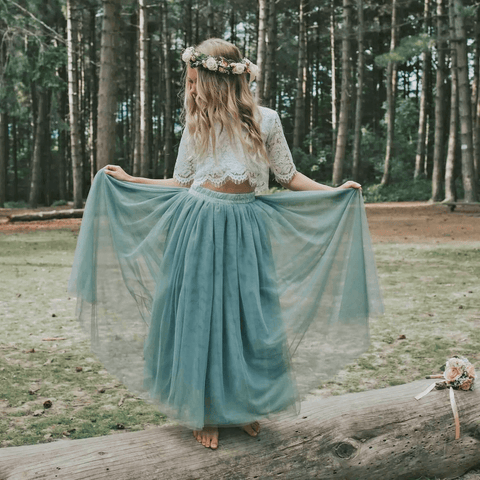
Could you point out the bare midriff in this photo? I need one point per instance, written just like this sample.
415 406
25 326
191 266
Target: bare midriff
230 187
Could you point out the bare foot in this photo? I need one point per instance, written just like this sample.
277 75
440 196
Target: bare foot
253 429
208 437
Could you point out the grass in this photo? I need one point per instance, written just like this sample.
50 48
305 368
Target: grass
431 296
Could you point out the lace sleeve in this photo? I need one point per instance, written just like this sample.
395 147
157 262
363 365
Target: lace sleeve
184 165
281 161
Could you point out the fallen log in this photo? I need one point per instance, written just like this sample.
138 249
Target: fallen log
380 434
49 215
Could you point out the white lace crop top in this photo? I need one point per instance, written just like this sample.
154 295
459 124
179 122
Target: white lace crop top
230 161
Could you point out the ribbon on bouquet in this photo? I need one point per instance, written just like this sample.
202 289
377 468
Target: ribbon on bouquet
459 374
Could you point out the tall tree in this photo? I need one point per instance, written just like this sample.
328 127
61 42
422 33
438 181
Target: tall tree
334 76
168 119
422 122
144 110
358 106
3 127
299 130
39 152
464 104
342 136
440 97
107 89
261 48
73 97
270 70
391 97
450 190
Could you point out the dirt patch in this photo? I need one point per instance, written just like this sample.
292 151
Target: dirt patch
402 222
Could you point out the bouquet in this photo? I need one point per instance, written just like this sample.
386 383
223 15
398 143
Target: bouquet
459 373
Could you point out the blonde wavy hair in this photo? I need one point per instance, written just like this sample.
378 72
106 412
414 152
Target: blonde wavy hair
224 100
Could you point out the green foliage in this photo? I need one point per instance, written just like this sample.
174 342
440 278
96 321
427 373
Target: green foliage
411 46
59 203
407 191
19 204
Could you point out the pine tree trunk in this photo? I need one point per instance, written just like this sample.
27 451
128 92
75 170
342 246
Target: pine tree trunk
3 156
270 72
168 136
464 105
137 142
210 19
3 131
476 100
73 97
188 23
392 73
440 100
422 121
39 148
14 159
144 110
93 80
107 89
261 49
299 130
358 106
334 77
342 136
450 190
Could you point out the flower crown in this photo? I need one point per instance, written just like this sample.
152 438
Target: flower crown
219 64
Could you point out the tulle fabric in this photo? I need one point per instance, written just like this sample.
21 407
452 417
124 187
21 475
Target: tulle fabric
222 308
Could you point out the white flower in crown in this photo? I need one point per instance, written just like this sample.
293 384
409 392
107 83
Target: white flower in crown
238 68
187 54
211 63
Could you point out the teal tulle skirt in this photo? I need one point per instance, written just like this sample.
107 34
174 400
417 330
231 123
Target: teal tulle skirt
224 308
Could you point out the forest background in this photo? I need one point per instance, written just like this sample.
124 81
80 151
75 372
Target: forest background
385 93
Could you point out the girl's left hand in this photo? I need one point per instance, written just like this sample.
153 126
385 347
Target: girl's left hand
350 184
117 172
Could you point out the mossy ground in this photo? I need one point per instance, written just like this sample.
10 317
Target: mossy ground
431 291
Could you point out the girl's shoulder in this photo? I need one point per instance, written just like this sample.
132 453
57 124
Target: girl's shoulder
267 120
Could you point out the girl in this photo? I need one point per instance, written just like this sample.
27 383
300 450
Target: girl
221 304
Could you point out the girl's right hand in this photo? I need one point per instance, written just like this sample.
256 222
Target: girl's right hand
118 172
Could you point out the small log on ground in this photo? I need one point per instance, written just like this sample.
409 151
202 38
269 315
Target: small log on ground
49 215
380 434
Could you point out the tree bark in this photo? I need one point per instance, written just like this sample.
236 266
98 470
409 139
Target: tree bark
342 136
3 156
464 105
299 129
439 147
168 120
93 80
107 89
48 215
450 190
334 77
73 97
144 110
375 435
270 71
476 100
392 73
38 149
261 49
3 130
210 19
422 121
358 106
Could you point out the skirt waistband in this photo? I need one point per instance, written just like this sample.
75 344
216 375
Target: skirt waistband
221 197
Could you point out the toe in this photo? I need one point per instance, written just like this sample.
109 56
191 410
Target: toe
214 444
250 430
